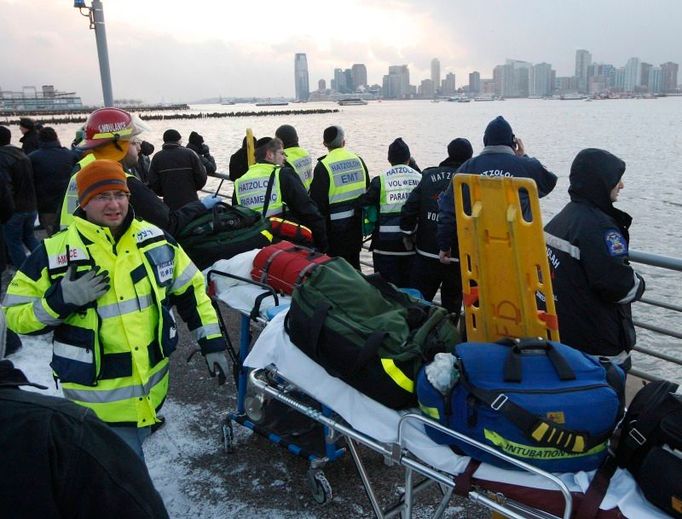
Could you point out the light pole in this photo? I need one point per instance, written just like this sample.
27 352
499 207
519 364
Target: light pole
95 14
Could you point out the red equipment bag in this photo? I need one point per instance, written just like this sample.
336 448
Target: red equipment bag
287 230
284 265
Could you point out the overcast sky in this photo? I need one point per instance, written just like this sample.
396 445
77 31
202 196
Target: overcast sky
172 50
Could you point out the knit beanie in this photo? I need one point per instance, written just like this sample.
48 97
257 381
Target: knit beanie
98 177
27 122
171 136
287 134
333 137
5 135
460 149
398 152
195 139
498 132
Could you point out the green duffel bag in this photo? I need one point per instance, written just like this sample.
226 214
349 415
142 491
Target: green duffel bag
366 332
223 232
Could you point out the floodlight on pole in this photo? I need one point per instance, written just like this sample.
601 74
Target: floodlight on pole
95 14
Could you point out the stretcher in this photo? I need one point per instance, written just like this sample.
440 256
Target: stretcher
280 371
229 283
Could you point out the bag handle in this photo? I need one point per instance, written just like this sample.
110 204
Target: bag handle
513 365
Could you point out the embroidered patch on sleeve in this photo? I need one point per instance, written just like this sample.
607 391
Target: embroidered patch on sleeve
615 243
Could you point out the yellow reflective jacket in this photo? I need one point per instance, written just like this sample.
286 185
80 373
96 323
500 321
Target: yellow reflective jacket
302 163
112 355
70 203
250 189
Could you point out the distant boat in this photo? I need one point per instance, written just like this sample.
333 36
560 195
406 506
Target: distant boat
273 103
483 98
352 101
572 97
463 100
227 103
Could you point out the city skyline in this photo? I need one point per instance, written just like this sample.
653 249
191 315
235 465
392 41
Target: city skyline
167 51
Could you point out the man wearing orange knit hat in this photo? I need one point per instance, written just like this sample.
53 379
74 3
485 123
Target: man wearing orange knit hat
105 287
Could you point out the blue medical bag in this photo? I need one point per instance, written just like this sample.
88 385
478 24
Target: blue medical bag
540 402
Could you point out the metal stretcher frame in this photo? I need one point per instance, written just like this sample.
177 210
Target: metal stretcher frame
315 478
399 454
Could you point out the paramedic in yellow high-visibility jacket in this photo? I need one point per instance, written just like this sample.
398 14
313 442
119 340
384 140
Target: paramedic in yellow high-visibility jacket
105 287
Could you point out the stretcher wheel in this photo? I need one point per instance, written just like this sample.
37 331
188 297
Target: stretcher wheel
228 436
319 486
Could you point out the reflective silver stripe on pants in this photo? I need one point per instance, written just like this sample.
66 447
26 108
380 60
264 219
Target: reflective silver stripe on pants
346 196
70 352
43 315
103 396
389 228
562 245
434 256
205 331
14 300
184 277
341 215
125 307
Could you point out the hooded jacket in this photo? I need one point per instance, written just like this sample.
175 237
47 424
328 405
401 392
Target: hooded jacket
17 166
587 248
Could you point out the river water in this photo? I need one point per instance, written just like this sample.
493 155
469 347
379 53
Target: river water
645 133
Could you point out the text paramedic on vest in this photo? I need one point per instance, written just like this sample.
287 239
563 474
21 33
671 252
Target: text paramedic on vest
419 221
388 192
340 178
105 287
60 460
288 197
503 155
587 248
111 133
296 157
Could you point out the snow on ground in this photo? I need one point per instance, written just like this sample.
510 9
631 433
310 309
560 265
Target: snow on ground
169 452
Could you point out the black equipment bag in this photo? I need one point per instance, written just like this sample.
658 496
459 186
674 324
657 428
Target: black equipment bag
650 445
223 232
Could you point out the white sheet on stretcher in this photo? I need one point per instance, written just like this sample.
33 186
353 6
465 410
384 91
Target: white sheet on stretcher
381 423
238 294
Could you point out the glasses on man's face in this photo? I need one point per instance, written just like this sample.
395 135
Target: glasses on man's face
118 196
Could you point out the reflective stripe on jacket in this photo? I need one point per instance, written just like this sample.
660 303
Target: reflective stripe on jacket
250 189
112 356
70 203
347 181
302 163
396 185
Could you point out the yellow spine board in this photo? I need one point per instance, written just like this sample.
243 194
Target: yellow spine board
503 260
250 148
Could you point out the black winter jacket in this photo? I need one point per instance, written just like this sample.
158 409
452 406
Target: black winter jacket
52 165
17 166
420 212
587 248
176 174
6 200
206 158
494 161
60 460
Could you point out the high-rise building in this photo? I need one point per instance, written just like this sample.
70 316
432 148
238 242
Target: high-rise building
619 79
669 77
448 85
540 81
397 82
633 75
359 73
583 60
435 73
339 82
644 69
655 80
301 77
426 89
474 82
321 85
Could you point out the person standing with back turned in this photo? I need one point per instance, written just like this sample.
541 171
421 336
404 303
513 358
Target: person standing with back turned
340 178
587 248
